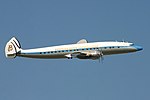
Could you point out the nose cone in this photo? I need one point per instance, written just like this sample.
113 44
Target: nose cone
138 48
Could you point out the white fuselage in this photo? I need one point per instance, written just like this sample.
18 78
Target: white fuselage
74 50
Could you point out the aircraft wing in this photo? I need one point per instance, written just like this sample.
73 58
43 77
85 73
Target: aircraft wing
85 55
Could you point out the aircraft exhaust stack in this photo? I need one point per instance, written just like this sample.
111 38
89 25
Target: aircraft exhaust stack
12 48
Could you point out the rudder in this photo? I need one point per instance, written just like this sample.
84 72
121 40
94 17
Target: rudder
12 48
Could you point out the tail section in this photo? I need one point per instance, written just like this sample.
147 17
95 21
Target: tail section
12 48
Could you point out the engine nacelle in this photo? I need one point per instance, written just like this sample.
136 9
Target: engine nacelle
94 55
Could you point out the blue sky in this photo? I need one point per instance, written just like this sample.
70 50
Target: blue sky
38 23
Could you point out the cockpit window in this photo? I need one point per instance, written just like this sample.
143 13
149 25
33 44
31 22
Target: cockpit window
132 44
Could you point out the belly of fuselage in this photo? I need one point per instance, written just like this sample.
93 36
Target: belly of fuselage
44 56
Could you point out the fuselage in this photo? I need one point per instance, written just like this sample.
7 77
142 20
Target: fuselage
107 48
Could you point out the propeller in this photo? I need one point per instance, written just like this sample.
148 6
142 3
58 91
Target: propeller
101 58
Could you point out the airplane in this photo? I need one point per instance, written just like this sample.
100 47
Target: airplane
82 50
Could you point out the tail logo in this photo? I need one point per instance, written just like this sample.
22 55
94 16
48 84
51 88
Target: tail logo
10 48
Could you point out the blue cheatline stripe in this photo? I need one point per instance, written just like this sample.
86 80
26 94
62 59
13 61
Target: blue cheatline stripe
80 49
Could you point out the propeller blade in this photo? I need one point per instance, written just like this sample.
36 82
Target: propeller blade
101 58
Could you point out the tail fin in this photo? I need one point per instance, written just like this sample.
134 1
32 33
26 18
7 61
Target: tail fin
12 48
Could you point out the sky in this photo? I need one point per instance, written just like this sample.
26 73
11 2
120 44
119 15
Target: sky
40 23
